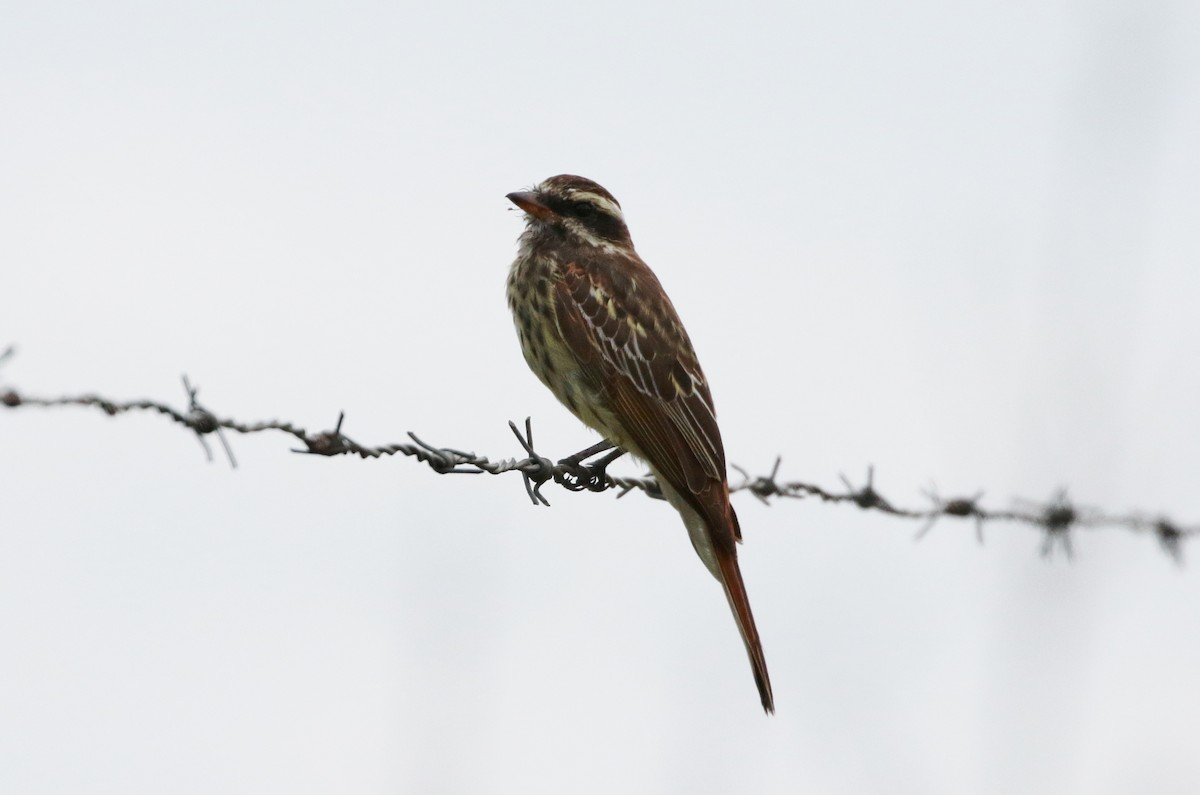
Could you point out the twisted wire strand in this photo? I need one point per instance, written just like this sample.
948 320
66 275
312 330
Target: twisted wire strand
1057 518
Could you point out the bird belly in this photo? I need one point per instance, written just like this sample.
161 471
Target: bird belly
556 367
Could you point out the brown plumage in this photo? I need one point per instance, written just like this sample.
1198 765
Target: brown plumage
597 329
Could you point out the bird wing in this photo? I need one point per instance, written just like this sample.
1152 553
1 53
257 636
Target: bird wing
621 326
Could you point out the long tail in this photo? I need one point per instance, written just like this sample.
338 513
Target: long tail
735 592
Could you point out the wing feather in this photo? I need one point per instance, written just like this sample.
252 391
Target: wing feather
622 322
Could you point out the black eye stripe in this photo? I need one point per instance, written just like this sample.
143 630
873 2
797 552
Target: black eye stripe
576 208
597 220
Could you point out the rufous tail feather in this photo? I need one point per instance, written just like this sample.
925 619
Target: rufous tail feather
735 592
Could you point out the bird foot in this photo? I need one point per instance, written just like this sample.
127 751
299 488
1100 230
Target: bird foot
574 475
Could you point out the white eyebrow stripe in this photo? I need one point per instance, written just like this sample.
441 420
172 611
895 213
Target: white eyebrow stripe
607 205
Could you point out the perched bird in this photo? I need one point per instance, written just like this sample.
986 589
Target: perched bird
597 329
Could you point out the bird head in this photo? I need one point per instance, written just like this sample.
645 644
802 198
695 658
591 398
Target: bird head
575 207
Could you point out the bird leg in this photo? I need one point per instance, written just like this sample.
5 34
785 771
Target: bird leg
579 476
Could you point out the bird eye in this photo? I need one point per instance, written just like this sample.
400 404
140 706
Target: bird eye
585 210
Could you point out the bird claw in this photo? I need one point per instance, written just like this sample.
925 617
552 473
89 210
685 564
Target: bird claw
574 476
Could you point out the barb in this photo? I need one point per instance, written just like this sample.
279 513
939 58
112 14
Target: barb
959 506
1058 518
203 421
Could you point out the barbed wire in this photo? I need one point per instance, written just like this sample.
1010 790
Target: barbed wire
1057 518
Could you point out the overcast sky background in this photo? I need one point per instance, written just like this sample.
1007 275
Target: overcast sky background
959 242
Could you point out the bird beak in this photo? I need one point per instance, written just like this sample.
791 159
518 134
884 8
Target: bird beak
531 202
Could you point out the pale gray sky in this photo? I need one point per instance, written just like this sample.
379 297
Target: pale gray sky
958 242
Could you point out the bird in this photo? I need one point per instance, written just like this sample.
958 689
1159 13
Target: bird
597 329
